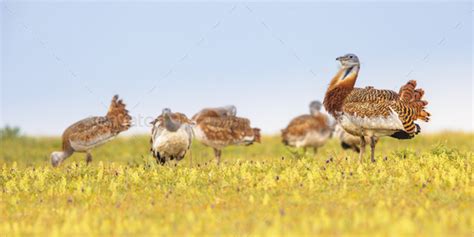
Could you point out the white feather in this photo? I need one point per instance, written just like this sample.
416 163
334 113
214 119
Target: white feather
173 144
310 139
371 126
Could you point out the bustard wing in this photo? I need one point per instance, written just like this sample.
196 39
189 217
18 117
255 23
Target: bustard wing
369 94
386 105
303 124
204 113
369 102
156 129
227 130
89 133
214 112
182 118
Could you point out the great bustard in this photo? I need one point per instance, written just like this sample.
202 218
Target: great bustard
171 136
371 112
91 132
309 130
219 127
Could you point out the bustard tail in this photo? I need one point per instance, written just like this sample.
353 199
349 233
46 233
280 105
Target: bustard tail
119 115
256 134
413 97
284 137
411 107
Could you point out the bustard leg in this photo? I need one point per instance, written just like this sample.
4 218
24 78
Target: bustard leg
217 153
88 158
191 158
362 148
372 148
315 150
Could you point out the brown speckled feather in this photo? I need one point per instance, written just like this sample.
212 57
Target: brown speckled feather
214 112
179 117
205 113
228 130
303 124
372 102
369 94
369 102
91 132
88 133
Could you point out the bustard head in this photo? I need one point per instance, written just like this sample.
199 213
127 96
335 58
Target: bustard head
230 110
166 111
349 60
315 107
58 156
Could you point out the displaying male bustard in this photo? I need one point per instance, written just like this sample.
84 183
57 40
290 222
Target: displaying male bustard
372 112
171 136
85 135
309 130
349 141
220 128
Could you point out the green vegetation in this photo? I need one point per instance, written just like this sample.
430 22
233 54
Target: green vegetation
421 187
8 132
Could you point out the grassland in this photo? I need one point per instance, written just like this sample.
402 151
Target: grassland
422 187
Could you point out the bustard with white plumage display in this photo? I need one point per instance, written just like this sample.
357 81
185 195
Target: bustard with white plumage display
171 136
372 112
85 135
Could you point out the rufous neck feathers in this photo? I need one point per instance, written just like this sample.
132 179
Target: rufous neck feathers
341 86
345 77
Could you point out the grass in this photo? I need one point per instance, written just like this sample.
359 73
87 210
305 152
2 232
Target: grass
421 187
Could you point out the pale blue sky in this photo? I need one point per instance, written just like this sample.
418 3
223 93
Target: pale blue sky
61 62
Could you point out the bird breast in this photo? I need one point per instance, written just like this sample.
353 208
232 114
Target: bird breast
310 139
172 143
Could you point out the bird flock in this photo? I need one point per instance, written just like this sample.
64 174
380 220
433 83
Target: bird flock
360 116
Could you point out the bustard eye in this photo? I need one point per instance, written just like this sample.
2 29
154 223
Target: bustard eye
351 56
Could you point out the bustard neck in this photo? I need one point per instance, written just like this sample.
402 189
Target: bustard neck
170 124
